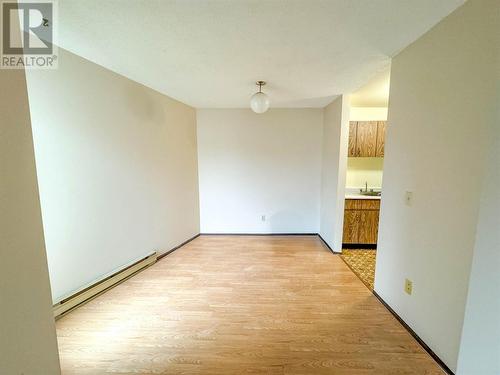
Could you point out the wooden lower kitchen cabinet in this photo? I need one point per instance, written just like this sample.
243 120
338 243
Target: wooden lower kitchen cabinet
351 226
368 227
361 218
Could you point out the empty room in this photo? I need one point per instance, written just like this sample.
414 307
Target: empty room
287 187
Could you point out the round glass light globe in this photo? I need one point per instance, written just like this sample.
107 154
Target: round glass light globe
259 102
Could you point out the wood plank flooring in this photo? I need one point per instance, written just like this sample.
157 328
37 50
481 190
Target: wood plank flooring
240 305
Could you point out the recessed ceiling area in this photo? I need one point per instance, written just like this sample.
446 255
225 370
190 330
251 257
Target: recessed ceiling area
209 53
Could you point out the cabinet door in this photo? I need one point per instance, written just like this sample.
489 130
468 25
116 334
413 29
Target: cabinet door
366 138
351 226
353 125
368 227
380 138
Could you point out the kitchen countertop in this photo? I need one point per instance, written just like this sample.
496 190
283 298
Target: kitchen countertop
359 196
353 193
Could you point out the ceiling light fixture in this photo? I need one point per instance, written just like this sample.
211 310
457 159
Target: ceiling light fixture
259 102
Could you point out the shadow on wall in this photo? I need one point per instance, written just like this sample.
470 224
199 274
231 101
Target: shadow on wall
145 106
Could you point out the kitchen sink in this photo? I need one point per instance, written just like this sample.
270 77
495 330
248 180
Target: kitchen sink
371 193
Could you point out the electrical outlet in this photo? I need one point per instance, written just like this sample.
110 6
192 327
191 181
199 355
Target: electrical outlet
263 217
408 286
409 198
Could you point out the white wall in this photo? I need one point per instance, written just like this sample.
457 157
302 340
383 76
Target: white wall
333 177
117 170
252 165
441 94
480 348
27 333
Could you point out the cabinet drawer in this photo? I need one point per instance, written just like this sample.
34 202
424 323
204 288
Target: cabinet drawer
370 204
362 204
352 204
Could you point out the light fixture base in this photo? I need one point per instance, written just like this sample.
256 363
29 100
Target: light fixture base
259 102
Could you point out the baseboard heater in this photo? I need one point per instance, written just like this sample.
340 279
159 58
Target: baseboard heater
86 294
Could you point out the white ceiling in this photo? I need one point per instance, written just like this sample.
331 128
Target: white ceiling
209 53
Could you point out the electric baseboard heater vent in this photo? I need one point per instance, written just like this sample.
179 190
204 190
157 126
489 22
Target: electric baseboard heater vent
86 294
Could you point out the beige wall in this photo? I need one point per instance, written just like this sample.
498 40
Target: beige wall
362 170
117 169
333 172
480 348
259 164
27 333
440 116
368 114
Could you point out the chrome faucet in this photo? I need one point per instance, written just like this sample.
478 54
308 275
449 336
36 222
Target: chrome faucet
366 187
371 192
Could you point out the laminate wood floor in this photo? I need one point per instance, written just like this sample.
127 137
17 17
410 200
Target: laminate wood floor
240 305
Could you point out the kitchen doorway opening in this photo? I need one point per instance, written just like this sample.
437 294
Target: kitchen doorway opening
363 190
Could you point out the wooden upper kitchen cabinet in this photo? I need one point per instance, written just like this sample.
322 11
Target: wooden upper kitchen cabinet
379 152
361 221
366 138
353 127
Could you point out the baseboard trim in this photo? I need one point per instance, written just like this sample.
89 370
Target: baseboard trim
326 244
177 247
438 360
88 293
359 246
258 234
